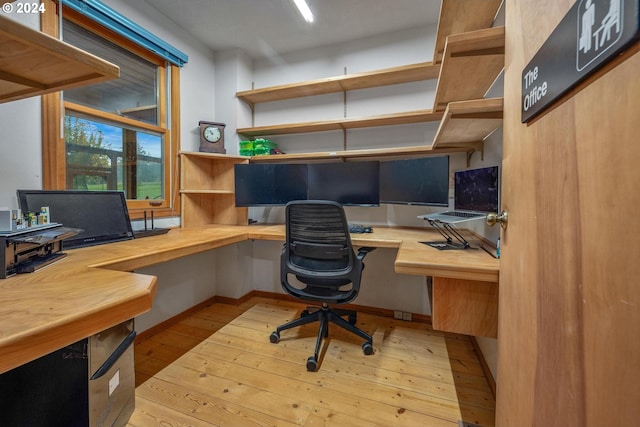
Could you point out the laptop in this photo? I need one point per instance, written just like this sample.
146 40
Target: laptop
476 193
102 215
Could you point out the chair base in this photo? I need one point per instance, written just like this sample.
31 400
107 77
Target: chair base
325 315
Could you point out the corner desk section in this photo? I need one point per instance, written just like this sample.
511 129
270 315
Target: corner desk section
94 288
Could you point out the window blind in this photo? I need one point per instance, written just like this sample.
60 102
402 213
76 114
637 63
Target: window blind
115 21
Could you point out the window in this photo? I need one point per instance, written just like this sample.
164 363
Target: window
115 135
105 156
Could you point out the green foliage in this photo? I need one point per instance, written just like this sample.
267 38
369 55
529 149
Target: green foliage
79 132
99 167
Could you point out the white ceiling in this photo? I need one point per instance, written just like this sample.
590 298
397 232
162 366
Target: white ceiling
263 28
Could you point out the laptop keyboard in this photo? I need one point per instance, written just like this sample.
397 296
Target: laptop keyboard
462 214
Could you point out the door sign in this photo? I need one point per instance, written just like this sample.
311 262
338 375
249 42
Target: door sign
591 33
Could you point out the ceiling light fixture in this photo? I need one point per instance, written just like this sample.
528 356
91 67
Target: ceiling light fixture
304 10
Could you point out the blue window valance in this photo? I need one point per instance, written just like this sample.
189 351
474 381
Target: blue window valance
109 18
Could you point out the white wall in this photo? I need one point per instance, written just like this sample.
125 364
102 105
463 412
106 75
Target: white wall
20 136
182 284
233 70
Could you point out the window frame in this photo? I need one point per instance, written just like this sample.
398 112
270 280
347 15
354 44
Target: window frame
54 110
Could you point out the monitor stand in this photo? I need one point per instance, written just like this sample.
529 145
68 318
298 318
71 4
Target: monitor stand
449 233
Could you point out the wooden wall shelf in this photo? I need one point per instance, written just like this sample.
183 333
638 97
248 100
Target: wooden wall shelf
470 65
419 116
33 63
467 122
360 154
462 16
387 76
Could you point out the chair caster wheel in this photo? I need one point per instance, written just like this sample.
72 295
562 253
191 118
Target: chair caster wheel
312 364
367 348
304 313
275 337
352 319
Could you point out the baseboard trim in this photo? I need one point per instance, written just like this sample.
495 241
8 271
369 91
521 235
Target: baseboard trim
422 318
485 366
173 320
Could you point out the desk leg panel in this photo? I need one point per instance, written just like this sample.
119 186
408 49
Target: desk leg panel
467 307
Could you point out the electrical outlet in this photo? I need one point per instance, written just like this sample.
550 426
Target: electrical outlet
406 316
397 314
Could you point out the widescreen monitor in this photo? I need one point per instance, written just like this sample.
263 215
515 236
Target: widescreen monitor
102 215
423 181
477 189
269 184
348 183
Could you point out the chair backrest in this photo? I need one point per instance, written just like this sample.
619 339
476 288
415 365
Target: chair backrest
318 251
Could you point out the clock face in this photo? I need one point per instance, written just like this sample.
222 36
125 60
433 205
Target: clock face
212 134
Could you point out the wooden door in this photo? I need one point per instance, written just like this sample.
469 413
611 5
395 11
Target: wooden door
569 303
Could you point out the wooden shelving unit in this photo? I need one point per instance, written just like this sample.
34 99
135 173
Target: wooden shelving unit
387 76
470 64
207 189
462 16
469 56
419 116
469 61
33 63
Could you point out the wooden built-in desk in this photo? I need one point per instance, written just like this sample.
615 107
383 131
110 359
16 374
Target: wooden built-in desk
94 288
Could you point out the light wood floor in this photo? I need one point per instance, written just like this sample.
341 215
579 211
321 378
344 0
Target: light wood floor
218 368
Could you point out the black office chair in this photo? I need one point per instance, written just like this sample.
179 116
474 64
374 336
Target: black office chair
318 252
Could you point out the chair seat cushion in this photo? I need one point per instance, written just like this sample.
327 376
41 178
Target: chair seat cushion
318 291
319 264
328 284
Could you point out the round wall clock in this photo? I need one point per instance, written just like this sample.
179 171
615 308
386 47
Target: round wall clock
212 137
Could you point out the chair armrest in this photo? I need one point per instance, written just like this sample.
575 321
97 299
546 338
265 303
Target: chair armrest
363 251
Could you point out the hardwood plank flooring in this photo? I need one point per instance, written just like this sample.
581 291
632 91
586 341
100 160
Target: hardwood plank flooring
218 368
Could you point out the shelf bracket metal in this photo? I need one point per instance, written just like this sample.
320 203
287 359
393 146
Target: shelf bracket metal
473 147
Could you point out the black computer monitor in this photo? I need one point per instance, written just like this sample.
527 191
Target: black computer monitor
102 215
423 181
477 189
348 183
268 184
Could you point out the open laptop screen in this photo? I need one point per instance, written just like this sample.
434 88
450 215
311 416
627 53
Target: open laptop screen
102 215
477 190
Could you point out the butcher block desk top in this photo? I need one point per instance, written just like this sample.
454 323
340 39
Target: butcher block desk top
94 288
